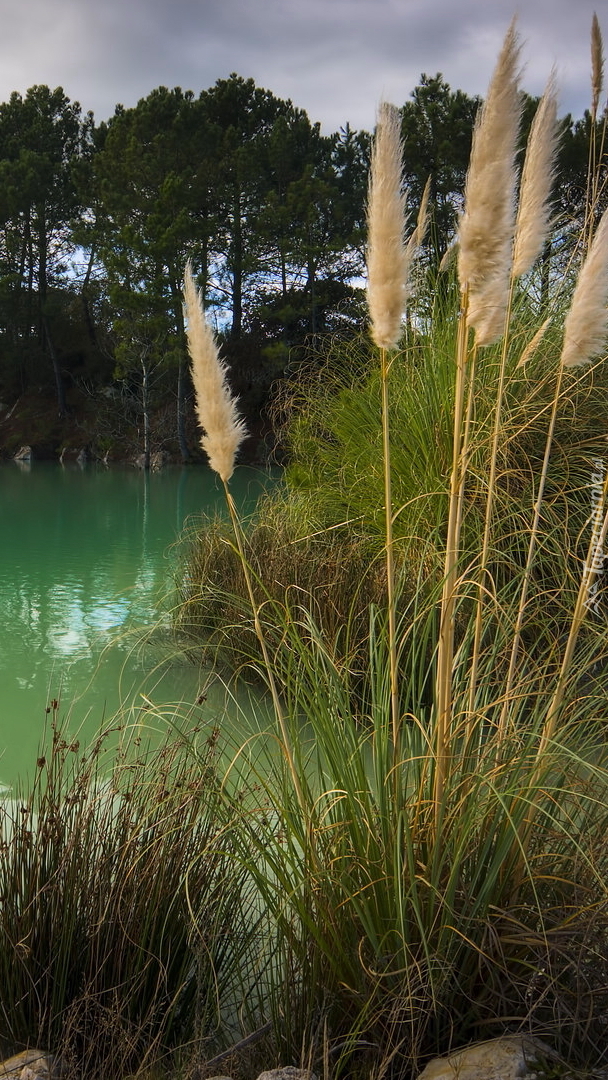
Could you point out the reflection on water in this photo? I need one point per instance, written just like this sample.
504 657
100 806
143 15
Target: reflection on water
85 569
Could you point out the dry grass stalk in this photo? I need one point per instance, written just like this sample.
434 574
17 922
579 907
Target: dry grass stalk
449 257
595 153
225 430
533 344
388 263
215 406
422 223
591 568
586 325
387 259
534 215
491 315
484 270
597 64
486 228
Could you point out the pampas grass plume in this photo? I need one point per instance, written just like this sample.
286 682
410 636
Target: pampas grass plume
533 345
597 63
486 227
487 310
422 222
534 215
387 257
586 325
215 406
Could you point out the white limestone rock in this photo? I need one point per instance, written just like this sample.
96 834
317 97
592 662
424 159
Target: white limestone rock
510 1057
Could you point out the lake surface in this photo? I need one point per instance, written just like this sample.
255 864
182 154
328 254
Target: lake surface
87 566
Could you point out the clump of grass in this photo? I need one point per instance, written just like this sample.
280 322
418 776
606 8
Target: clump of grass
121 907
401 938
430 845
332 573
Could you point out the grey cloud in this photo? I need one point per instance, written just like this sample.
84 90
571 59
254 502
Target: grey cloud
334 58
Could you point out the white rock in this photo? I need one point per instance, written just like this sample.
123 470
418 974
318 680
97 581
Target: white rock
287 1072
27 1064
506 1058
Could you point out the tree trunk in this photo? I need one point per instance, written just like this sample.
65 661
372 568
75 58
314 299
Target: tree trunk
84 299
545 269
146 411
311 285
42 274
182 384
48 346
182 380
30 278
237 273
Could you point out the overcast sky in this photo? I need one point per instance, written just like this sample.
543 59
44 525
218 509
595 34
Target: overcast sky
334 58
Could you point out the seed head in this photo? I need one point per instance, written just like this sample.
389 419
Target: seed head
586 325
217 412
387 258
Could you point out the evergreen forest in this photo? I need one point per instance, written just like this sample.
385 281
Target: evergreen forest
97 221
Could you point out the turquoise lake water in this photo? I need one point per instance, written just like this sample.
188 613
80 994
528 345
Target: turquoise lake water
87 565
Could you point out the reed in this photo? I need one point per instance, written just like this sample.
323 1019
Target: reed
223 432
595 150
106 861
586 325
486 229
387 255
533 222
388 262
484 267
531 230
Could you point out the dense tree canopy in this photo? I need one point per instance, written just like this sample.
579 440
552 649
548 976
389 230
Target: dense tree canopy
437 128
41 137
97 222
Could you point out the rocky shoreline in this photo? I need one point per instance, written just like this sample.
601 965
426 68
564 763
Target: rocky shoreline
508 1057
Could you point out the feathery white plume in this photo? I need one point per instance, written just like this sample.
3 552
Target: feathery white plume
534 214
387 258
216 408
586 325
486 228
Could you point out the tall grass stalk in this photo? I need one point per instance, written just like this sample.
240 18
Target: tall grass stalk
597 84
585 334
388 260
445 649
527 575
390 551
585 337
531 229
592 566
484 264
223 432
